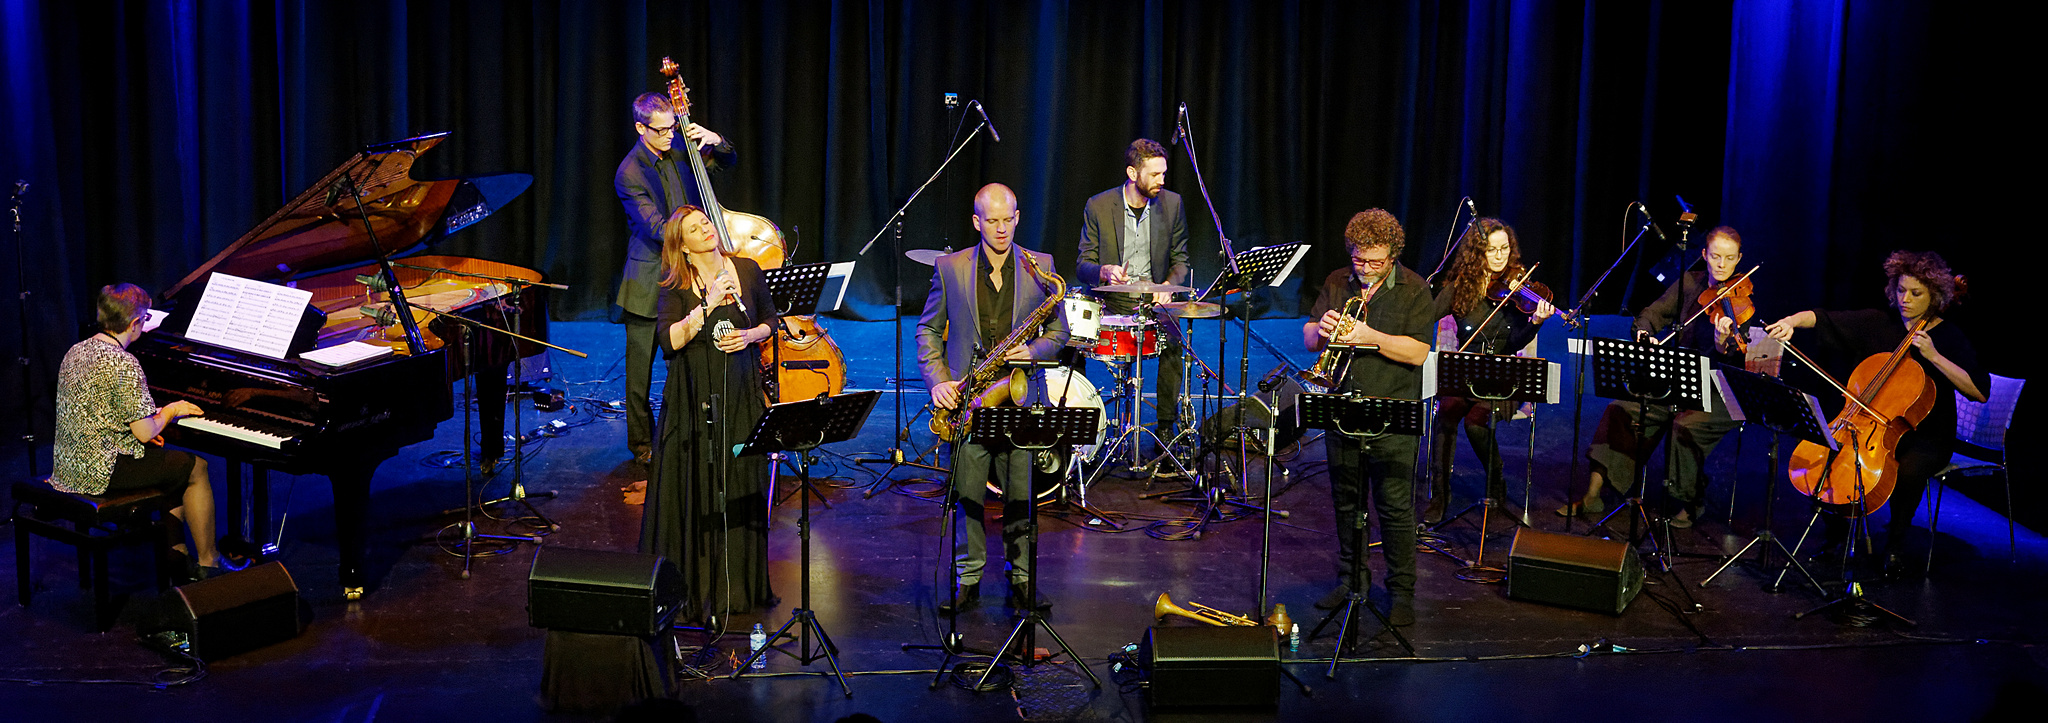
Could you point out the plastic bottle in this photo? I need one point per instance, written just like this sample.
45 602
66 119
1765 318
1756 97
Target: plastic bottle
1294 638
755 642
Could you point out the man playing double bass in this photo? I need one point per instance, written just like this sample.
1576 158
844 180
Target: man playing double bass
1615 447
650 186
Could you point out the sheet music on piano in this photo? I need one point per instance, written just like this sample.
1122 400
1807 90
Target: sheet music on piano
247 315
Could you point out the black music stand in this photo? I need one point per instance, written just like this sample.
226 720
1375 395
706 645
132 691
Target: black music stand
800 427
1036 428
795 291
1674 378
1783 409
1358 417
1502 380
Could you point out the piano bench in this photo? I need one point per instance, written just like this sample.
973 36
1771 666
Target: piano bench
98 523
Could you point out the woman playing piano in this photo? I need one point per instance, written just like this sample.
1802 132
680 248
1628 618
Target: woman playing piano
109 430
706 509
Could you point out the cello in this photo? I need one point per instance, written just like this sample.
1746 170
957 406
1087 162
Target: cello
753 237
1887 396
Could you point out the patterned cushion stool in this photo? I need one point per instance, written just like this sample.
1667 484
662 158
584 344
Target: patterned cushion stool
98 523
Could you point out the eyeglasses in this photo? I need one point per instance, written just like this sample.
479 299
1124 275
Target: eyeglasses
1372 263
667 130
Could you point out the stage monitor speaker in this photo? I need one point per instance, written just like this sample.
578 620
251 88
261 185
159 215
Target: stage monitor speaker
1235 666
600 591
237 612
1574 572
1217 430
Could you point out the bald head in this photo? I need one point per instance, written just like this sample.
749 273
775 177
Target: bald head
995 216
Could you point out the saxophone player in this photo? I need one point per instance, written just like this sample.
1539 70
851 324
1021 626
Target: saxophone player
989 290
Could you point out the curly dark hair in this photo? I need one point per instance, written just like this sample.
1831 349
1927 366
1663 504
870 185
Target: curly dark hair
1142 149
1931 270
1375 227
1468 278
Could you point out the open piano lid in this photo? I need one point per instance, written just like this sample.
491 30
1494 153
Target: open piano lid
321 229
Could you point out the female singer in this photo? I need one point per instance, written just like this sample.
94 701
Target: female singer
706 509
1489 253
109 429
1919 286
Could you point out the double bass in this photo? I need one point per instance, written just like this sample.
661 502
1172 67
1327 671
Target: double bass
1887 396
753 237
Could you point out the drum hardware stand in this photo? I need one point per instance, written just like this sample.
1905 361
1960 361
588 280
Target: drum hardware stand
896 457
1782 409
1350 415
1034 428
1679 378
1504 380
799 427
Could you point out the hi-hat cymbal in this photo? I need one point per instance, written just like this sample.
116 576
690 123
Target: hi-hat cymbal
1144 287
1192 309
928 257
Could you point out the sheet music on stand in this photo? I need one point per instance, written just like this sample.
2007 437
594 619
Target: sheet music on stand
797 290
1262 266
1637 371
1036 426
248 315
801 425
1753 397
1357 415
1491 377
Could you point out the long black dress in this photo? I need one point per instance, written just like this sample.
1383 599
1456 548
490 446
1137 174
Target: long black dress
714 533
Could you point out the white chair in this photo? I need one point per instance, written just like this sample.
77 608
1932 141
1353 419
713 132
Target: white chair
1980 426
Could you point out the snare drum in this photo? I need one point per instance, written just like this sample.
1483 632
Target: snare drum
1126 338
1084 319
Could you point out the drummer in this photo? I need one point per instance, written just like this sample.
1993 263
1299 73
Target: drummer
1138 232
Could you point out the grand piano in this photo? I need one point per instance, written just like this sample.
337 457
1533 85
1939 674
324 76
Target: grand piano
300 417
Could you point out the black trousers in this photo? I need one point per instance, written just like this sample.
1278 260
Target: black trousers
1387 464
973 467
639 375
1450 412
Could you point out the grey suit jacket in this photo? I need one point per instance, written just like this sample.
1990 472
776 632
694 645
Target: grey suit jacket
943 357
1102 236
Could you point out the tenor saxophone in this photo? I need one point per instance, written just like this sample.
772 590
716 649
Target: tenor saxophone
1329 369
955 424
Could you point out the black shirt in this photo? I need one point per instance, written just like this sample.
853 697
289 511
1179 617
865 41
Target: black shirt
1681 300
1402 306
993 308
1509 331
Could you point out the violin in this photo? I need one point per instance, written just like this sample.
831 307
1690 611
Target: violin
1731 301
1524 297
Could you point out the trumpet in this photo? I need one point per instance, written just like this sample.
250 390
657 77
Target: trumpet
1331 366
1164 607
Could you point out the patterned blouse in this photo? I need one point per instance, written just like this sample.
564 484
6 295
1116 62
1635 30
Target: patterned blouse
100 389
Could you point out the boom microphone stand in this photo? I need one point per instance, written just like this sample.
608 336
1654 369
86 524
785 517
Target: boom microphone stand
896 457
28 431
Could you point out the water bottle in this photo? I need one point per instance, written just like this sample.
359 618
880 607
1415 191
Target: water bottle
1294 638
755 642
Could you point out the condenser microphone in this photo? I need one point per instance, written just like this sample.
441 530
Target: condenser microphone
1651 222
1180 125
985 121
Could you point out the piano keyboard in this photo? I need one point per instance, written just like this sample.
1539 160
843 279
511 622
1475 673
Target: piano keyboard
232 431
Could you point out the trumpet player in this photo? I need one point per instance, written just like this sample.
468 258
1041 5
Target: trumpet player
1396 323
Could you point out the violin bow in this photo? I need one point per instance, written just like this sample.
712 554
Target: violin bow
1725 288
1496 307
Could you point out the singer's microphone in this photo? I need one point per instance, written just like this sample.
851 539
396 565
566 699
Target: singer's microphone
1180 124
1651 221
984 121
735 297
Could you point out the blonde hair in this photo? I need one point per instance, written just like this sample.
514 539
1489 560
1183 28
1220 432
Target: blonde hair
675 260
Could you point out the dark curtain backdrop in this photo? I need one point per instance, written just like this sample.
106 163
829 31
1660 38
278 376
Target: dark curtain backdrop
154 133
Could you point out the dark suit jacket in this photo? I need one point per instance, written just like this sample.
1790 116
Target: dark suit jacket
944 357
1102 236
639 187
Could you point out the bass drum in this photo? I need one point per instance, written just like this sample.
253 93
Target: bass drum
1062 384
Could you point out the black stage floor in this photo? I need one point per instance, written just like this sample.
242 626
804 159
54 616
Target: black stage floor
426 644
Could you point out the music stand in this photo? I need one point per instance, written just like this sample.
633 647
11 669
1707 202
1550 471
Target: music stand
1358 417
1675 378
1783 409
1036 428
794 291
1502 380
800 427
